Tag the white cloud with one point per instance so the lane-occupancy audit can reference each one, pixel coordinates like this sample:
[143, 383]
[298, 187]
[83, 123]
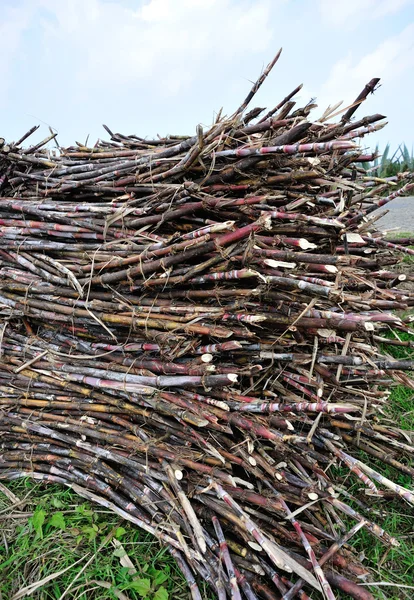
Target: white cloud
[162, 66]
[132, 64]
[14, 22]
[163, 43]
[389, 61]
[352, 12]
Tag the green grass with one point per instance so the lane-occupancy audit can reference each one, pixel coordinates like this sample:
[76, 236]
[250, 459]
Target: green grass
[401, 405]
[387, 565]
[400, 234]
[407, 259]
[395, 565]
[52, 528]
[390, 565]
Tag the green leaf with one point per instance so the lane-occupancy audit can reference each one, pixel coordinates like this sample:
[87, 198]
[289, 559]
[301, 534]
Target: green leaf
[37, 521]
[141, 586]
[83, 509]
[58, 521]
[161, 594]
[90, 531]
[124, 576]
[120, 531]
[56, 502]
[160, 577]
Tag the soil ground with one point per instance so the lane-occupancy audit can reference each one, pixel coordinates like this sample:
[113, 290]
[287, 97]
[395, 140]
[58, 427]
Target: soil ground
[401, 215]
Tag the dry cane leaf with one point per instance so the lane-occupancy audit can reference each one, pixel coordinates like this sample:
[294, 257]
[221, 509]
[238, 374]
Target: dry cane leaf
[12, 497]
[124, 559]
[109, 586]
[28, 590]
[289, 564]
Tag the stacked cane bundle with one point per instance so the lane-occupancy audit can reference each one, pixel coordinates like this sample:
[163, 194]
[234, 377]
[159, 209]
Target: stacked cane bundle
[190, 337]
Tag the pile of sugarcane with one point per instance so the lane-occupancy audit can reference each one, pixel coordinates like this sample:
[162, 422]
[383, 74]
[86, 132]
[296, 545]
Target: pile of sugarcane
[190, 336]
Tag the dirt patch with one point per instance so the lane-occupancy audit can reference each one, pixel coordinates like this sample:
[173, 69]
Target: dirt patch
[401, 215]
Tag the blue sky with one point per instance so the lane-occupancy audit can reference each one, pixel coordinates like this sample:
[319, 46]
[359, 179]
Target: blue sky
[162, 66]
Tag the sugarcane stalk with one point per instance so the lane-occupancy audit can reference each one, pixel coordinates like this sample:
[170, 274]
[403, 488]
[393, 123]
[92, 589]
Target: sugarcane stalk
[172, 338]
